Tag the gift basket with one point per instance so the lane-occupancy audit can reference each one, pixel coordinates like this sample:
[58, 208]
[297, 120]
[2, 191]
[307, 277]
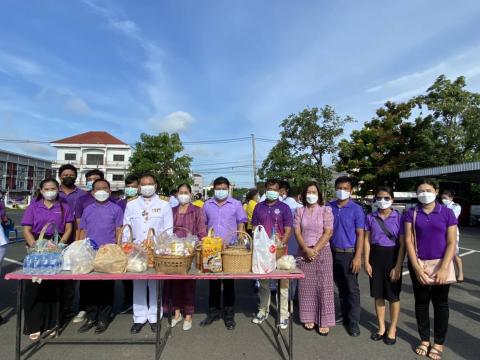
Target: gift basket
[110, 258]
[237, 257]
[174, 254]
[45, 258]
[137, 255]
[148, 245]
[211, 253]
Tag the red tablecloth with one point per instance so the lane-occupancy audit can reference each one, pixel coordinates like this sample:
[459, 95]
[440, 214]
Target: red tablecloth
[152, 275]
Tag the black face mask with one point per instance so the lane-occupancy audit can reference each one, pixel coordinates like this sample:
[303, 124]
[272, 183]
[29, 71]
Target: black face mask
[68, 181]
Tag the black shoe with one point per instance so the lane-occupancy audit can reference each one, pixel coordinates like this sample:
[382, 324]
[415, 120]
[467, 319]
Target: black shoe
[377, 337]
[136, 328]
[101, 327]
[126, 308]
[1, 320]
[229, 318]
[153, 327]
[213, 315]
[353, 329]
[87, 325]
[340, 320]
[389, 341]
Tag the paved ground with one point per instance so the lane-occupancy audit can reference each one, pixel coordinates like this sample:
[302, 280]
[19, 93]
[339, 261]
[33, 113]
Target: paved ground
[250, 341]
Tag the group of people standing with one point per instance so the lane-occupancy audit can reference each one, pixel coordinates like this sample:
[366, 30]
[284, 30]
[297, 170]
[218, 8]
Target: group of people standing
[331, 241]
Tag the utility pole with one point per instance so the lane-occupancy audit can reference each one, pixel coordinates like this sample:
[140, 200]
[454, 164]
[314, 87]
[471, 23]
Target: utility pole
[254, 162]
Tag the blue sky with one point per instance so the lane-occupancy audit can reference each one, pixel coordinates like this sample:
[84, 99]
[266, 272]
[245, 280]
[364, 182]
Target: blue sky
[218, 69]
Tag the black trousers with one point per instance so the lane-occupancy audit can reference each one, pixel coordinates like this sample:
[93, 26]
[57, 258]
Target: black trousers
[215, 293]
[438, 295]
[127, 292]
[67, 296]
[40, 306]
[347, 284]
[98, 296]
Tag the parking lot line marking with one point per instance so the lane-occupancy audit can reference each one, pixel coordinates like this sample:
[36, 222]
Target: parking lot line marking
[13, 261]
[469, 249]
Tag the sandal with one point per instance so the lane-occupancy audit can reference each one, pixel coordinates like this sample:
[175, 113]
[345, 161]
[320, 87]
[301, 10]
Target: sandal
[34, 336]
[435, 353]
[422, 349]
[309, 326]
[323, 333]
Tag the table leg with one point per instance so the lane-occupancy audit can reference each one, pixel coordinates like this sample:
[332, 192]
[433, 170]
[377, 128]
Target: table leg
[279, 305]
[290, 330]
[18, 339]
[159, 321]
[58, 309]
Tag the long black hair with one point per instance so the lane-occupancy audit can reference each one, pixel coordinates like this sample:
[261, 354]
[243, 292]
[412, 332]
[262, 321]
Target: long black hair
[42, 184]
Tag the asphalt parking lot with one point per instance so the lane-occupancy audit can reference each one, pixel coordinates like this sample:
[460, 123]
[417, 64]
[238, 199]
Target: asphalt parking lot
[249, 341]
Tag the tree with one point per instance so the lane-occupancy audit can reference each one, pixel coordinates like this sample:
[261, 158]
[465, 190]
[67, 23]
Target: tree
[313, 133]
[159, 155]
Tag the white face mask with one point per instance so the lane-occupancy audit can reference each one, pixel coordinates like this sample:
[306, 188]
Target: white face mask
[312, 199]
[50, 195]
[383, 204]
[184, 198]
[101, 195]
[147, 190]
[426, 197]
[342, 194]
[446, 202]
[221, 194]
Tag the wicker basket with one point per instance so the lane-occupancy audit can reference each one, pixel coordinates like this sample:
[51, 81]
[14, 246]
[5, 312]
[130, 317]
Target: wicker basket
[172, 264]
[238, 259]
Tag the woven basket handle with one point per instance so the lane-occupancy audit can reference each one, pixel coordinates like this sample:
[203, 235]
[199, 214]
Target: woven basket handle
[56, 236]
[238, 232]
[120, 235]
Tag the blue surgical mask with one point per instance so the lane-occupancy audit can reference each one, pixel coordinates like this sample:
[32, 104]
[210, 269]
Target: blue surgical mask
[131, 191]
[221, 194]
[89, 185]
[272, 195]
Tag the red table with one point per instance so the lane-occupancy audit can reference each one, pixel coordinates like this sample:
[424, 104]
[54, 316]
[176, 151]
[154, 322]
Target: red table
[149, 275]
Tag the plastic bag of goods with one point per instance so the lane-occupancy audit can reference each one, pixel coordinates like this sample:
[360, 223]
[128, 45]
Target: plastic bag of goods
[80, 256]
[264, 252]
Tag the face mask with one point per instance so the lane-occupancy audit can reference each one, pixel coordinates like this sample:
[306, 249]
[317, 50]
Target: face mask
[283, 197]
[221, 194]
[446, 202]
[312, 199]
[426, 197]
[147, 190]
[101, 195]
[272, 195]
[383, 204]
[68, 181]
[342, 194]
[89, 185]
[50, 195]
[131, 191]
[184, 198]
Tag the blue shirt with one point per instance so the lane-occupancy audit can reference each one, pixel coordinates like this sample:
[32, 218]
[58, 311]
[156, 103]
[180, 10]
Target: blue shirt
[346, 220]
[100, 222]
[224, 219]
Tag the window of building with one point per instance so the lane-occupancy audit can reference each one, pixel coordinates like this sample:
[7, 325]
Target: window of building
[118, 157]
[94, 159]
[118, 177]
[70, 156]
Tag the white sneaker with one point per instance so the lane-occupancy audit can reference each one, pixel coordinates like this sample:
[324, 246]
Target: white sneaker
[260, 318]
[176, 321]
[187, 325]
[80, 317]
[283, 324]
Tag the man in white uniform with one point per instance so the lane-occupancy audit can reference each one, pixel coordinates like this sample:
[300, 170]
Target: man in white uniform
[145, 212]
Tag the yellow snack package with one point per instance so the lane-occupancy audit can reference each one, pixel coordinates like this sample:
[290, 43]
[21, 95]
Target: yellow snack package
[212, 253]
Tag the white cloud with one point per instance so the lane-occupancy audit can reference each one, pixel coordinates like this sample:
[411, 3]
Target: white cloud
[178, 121]
[77, 105]
[16, 65]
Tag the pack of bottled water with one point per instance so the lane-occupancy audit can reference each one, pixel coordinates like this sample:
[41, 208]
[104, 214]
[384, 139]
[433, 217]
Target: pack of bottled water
[42, 263]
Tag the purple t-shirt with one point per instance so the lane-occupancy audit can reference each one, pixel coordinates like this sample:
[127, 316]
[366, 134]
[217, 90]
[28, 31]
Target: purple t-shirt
[100, 222]
[345, 222]
[72, 198]
[37, 215]
[277, 215]
[224, 219]
[394, 224]
[431, 230]
[84, 201]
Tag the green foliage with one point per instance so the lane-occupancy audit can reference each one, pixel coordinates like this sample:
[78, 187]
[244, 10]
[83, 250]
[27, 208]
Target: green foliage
[392, 141]
[159, 155]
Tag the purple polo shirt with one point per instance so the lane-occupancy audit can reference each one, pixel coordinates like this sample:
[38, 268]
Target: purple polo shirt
[431, 230]
[276, 215]
[3, 215]
[345, 222]
[72, 198]
[37, 215]
[84, 201]
[394, 224]
[100, 222]
[225, 218]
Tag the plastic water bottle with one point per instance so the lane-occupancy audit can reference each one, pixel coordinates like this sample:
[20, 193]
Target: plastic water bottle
[45, 263]
[27, 264]
[35, 264]
[59, 263]
[52, 264]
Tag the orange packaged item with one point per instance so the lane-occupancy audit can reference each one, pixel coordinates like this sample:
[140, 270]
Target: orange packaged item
[212, 253]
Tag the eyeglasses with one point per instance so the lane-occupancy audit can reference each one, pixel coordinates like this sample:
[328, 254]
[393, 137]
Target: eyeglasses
[386, 198]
